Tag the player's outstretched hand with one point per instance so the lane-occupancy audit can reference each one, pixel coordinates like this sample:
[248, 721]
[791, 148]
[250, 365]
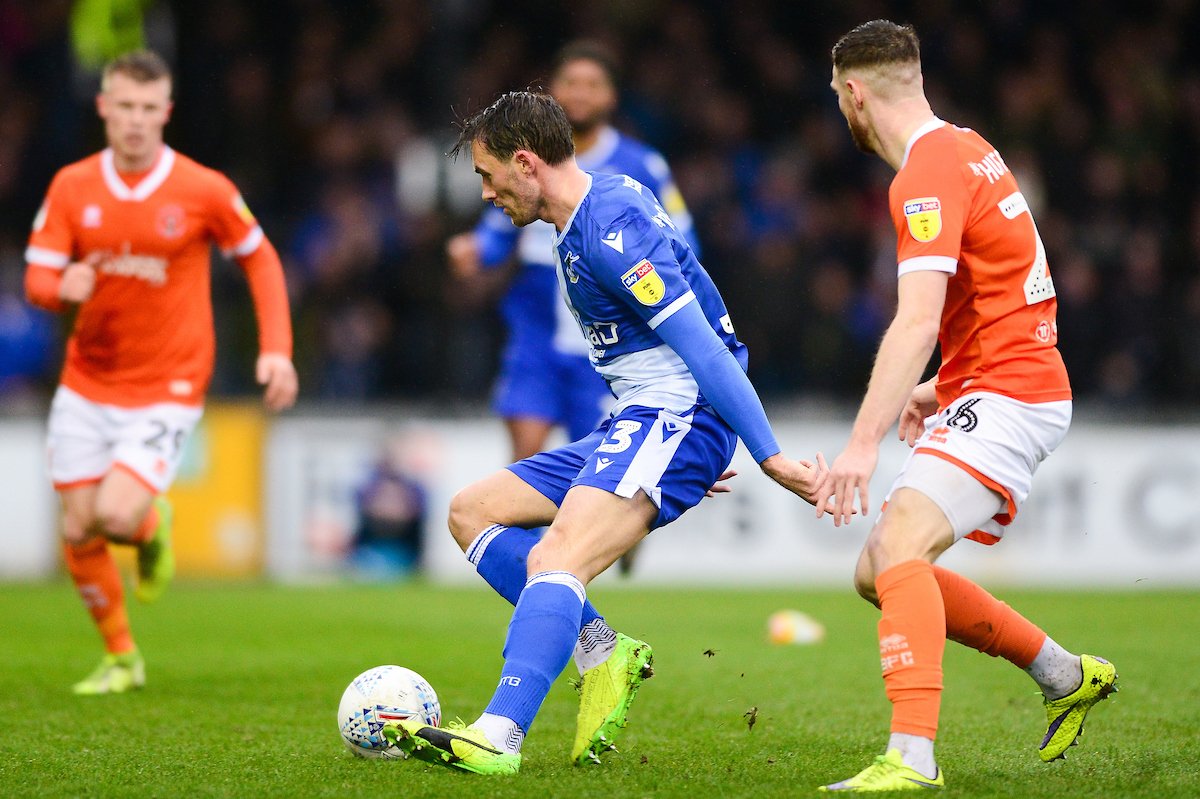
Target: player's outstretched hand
[922, 403]
[79, 279]
[719, 487]
[851, 474]
[802, 478]
[276, 372]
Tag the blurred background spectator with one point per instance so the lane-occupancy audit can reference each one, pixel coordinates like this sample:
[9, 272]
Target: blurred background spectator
[332, 117]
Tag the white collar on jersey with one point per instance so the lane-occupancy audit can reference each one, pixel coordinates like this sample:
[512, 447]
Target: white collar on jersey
[599, 153]
[571, 218]
[928, 127]
[148, 184]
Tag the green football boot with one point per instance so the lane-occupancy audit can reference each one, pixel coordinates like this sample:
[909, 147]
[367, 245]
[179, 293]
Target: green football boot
[887, 773]
[116, 674]
[605, 694]
[156, 557]
[455, 746]
[1064, 717]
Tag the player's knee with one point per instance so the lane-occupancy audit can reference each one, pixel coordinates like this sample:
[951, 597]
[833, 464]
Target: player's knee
[864, 580]
[465, 517]
[75, 531]
[550, 553]
[116, 522]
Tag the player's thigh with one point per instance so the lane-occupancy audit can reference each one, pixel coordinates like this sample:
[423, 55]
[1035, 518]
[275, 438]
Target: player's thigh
[150, 441]
[593, 528]
[78, 505]
[674, 459]
[984, 446]
[122, 500]
[500, 498]
[78, 442]
[911, 527]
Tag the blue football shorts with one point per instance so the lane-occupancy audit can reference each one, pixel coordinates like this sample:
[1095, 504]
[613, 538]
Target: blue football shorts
[545, 384]
[674, 458]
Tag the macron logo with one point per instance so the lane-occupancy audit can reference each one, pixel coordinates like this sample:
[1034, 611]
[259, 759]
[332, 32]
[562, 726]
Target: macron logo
[602, 464]
[614, 240]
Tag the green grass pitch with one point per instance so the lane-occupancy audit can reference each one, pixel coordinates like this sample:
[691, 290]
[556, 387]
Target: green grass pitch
[244, 682]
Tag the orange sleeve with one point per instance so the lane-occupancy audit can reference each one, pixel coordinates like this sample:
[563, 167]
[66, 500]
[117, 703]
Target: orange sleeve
[264, 272]
[929, 202]
[41, 287]
[51, 247]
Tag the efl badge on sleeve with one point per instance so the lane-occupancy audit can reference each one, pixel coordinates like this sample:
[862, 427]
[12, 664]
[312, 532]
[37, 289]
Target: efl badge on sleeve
[645, 284]
[924, 216]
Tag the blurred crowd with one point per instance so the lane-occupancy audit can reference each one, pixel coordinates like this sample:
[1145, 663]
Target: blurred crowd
[333, 117]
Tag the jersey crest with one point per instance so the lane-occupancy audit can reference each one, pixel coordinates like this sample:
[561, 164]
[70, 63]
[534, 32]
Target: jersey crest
[645, 284]
[924, 216]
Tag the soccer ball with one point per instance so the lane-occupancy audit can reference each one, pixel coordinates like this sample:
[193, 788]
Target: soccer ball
[380, 696]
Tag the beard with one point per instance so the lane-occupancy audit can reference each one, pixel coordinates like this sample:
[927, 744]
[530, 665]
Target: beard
[860, 135]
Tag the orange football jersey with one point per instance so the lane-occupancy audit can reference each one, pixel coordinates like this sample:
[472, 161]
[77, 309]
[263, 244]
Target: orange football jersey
[146, 333]
[957, 209]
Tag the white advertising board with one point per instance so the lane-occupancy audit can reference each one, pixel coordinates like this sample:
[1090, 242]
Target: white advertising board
[1114, 507]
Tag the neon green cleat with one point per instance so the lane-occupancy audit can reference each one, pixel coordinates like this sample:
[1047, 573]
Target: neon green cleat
[1064, 717]
[156, 557]
[455, 746]
[887, 773]
[606, 692]
[116, 674]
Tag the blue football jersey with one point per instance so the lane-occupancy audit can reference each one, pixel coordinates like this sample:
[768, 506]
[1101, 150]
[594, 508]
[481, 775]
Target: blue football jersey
[625, 268]
[531, 307]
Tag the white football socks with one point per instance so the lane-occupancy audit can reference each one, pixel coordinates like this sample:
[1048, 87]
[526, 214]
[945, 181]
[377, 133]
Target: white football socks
[596, 642]
[502, 732]
[1056, 671]
[917, 753]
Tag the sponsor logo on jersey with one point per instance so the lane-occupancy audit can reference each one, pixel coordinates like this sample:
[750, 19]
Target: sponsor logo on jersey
[645, 284]
[603, 463]
[630, 183]
[170, 221]
[924, 216]
[91, 216]
[143, 267]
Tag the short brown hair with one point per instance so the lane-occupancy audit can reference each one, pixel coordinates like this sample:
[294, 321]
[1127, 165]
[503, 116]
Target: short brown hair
[588, 50]
[520, 121]
[143, 66]
[876, 43]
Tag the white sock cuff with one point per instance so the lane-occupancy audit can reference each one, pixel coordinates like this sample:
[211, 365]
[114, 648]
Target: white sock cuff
[480, 544]
[561, 578]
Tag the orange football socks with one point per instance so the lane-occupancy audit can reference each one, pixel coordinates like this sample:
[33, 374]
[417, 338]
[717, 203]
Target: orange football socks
[912, 637]
[99, 583]
[977, 619]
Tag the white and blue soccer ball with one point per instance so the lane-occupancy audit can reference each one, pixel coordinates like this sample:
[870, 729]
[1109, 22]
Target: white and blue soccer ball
[382, 695]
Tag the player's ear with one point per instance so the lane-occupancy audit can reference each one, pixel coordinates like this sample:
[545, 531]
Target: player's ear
[525, 162]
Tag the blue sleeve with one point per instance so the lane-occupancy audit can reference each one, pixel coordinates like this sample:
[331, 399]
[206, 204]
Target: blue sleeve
[720, 378]
[496, 236]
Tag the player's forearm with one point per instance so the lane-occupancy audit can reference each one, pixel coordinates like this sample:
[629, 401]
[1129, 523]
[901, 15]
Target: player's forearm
[42, 286]
[901, 360]
[264, 273]
[721, 379]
